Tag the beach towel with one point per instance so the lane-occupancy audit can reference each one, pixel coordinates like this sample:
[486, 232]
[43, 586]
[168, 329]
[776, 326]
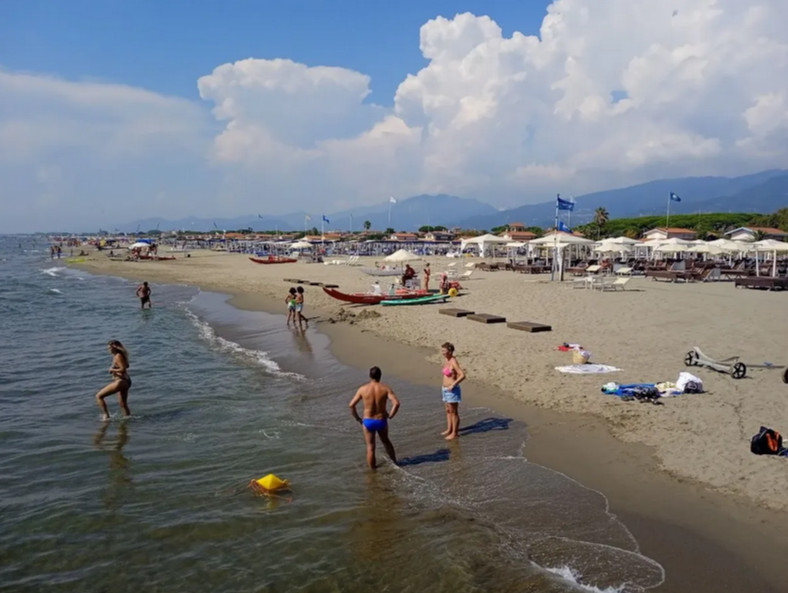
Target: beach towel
[587, 369]
[565, 347]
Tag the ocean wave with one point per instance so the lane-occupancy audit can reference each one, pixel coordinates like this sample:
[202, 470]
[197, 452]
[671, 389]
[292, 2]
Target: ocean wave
[55, 291]
[54, 272]
[257, 357]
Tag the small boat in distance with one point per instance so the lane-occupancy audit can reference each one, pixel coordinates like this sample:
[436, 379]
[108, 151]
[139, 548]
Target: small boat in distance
[274, 259]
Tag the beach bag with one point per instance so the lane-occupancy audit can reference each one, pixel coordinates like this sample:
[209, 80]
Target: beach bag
[689, 383]
[766, 442]
[580, 356]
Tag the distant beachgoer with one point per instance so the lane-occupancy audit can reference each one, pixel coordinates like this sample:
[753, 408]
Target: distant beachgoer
[122, 382]
[143, 292]
[426, 273]
[453, 375]
[375, 396]
[290, 299]
[408, 275]
[444, 284]
[299, 306]
[59, 251]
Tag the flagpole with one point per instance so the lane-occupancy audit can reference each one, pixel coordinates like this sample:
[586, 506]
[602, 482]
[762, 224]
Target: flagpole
[555, 239]
[389, 214]
[667, 218]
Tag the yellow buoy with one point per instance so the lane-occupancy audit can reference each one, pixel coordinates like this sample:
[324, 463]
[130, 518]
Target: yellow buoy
[271, 483]
[453, 292]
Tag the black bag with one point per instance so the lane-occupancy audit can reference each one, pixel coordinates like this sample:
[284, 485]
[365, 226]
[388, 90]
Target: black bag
[766, 442]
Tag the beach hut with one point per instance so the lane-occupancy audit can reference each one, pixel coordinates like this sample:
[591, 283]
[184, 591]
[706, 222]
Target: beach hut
[770, 245]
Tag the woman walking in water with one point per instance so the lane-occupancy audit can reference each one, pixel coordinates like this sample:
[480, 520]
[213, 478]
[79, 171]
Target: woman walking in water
[453, 375]
[122, 382]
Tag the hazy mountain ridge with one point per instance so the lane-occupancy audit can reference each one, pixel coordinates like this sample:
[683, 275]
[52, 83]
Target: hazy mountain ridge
[762, 192]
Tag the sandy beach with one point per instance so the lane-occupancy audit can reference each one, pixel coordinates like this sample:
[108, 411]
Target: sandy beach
[709, 481]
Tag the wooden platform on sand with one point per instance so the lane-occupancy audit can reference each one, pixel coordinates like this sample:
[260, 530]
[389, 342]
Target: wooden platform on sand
[486, 318]
[529, 326]
[454, 312]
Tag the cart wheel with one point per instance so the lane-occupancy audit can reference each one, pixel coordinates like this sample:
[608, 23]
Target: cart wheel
[739, 370]
[785, 376]
[691, 359]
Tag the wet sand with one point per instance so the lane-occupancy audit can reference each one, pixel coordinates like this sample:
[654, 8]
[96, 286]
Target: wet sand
[679, 475]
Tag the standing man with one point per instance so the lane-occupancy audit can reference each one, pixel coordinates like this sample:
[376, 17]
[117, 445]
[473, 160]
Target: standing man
[375, 396]
[143, 292]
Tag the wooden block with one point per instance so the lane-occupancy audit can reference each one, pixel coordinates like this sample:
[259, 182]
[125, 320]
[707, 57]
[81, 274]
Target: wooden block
[454, 312]
[331, 285]
[486, 318]
[315, 284]
[290, 280]
[529, 326]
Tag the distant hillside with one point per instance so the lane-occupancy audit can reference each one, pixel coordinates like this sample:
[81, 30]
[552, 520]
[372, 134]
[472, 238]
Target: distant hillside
[761, 192]
[407, 214]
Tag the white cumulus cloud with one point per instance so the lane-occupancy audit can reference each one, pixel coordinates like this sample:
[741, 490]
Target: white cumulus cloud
[608, 92]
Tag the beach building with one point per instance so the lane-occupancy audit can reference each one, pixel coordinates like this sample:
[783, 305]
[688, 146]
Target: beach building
[750, 233]
[660, 234]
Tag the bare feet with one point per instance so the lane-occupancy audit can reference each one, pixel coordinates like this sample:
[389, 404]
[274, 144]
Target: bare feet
[451, 437]
[445, 432]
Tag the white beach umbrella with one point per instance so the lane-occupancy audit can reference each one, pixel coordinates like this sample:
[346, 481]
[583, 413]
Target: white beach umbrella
[139, 245]
[620, 241]
[401, 255]
[775, 247]
[672, 248]
[301, 245]
[562, 239]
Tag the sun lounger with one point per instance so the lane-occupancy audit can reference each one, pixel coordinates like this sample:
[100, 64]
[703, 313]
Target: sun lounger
[486, 318]
[614, 285]
[529, 326]
[764, 282]
[624, 271]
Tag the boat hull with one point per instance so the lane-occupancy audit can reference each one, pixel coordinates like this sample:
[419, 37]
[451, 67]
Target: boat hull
[433, 298]
[365, 298]
[273, 260]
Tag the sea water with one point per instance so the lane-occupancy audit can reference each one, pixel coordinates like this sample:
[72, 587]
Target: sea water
[158, 501]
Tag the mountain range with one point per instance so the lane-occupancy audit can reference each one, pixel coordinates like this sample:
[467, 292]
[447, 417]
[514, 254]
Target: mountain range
[763, 192]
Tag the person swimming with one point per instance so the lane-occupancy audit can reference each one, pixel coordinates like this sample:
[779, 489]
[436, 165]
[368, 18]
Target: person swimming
[375, 396]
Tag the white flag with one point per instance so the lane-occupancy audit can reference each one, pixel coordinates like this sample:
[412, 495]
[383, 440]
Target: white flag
[392, 199]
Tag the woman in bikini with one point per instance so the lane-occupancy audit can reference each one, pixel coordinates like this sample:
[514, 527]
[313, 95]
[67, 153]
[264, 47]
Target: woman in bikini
[122, 383]
[453, 375]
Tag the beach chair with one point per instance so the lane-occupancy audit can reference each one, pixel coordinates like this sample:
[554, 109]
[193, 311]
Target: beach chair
[593, 269]
[465, 275]
[600, 282]
[624, 271]
[620, 282]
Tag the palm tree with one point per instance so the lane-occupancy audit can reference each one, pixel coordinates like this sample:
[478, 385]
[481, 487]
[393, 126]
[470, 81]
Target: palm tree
[601, 216]
[367, 225]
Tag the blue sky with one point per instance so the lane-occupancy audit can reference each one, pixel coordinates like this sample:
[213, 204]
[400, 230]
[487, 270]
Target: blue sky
[112, 111]
[167, 45]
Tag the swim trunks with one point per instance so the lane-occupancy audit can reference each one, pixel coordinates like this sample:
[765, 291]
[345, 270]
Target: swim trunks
[374, 424]
[144, 299]
[299, 307]
[451, 396]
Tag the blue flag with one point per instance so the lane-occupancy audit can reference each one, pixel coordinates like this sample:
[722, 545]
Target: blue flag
[675, 197]
[326, 219]
[562, 227]
[564, 204]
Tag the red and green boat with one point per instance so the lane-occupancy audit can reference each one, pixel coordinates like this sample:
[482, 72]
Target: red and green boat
[371, 298]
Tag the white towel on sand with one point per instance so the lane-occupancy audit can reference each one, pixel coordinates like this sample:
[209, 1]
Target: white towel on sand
[587, 369]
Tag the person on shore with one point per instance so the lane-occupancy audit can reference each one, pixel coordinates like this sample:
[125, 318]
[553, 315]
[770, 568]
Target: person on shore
[144, 292]
[426, 273]
[451, 393]
[408, 275]
[375, 396]
[444, 285]
[299, 304]
[290, 299]
[121, 383]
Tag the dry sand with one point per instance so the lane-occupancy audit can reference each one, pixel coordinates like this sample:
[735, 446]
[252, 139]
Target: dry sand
[711, 483]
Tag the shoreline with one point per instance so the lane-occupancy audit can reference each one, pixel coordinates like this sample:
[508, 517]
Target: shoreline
[704, 539]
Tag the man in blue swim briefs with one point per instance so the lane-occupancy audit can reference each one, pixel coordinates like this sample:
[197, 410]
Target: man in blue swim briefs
[375, 396]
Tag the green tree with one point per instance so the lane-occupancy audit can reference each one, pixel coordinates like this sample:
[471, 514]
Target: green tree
[367, 225]
[426, 229]
[390, 231]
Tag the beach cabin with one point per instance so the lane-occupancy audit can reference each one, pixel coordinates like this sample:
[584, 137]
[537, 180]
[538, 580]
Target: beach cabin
[751, 233]
[660, 234]
[519, 236]
[439, 236]
[405, 237]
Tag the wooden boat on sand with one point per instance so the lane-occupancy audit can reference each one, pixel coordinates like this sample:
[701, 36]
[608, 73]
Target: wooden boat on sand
[274, 259]
[371, 298]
